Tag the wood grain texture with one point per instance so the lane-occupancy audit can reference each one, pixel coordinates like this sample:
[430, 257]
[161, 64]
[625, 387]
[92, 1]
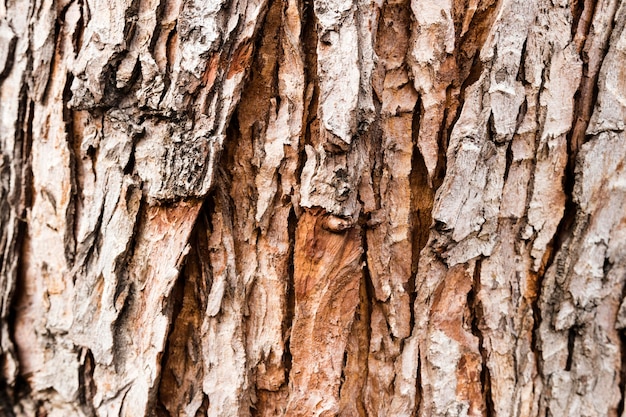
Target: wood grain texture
[327, 278]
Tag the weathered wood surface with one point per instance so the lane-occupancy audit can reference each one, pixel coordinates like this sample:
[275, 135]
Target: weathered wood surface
[312, 208]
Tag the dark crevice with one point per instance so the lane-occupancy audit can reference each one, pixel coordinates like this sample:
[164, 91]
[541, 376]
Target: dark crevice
[9, 395]
[492, 132]
[585, 99]
[418, 383]
[509, 161]
[534, 338]
[121, 340]
[22, 390]
[130, 165]
[577, 7]
[159, 12]
[571, 341]
[71, 214]
[521, 70]
[422, 200]
[188, 295]
[309, 48]
[476, 313]
[89, 246]
[22, 204]
[369, 287]
[587, 94]
[229, 51]
[444, 133]
[290, 296]
[469, 64]
[376, 154]
[204, 407]
[132, 84]
[26, 138]
[363, 312]
[418, 111]
[523, 109]
[110, 93]
[77, 35]
[485, 378]
[125, 288]
[582, 18]
[131, 14]
[475, 72]
[6, 403]
[54, 60]
[87, 388]
[176, 304]
[9, 58]
[123, 259]
[300, 162]
[622, 371]
[160, 411]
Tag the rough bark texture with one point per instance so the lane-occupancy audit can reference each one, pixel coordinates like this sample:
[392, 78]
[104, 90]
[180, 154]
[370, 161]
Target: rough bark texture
[312, 208]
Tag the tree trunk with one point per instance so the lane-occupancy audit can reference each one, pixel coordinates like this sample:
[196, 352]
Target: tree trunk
[312, 208]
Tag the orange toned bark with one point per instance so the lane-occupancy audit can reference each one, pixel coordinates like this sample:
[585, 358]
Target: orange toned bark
[327, 277]
[450, 321]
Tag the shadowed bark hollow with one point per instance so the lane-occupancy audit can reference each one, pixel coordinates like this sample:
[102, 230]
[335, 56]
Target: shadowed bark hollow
[312, 208]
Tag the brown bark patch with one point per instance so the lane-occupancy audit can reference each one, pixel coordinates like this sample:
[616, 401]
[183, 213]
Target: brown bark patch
[451, 315]
[327, 277]
[240, 60]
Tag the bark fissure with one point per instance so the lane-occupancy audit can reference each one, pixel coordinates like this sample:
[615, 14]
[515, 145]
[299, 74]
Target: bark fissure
[622, 375]
[475, 318]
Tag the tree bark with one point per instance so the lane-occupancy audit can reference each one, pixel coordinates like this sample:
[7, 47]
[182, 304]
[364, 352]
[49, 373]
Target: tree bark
[312, 208]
